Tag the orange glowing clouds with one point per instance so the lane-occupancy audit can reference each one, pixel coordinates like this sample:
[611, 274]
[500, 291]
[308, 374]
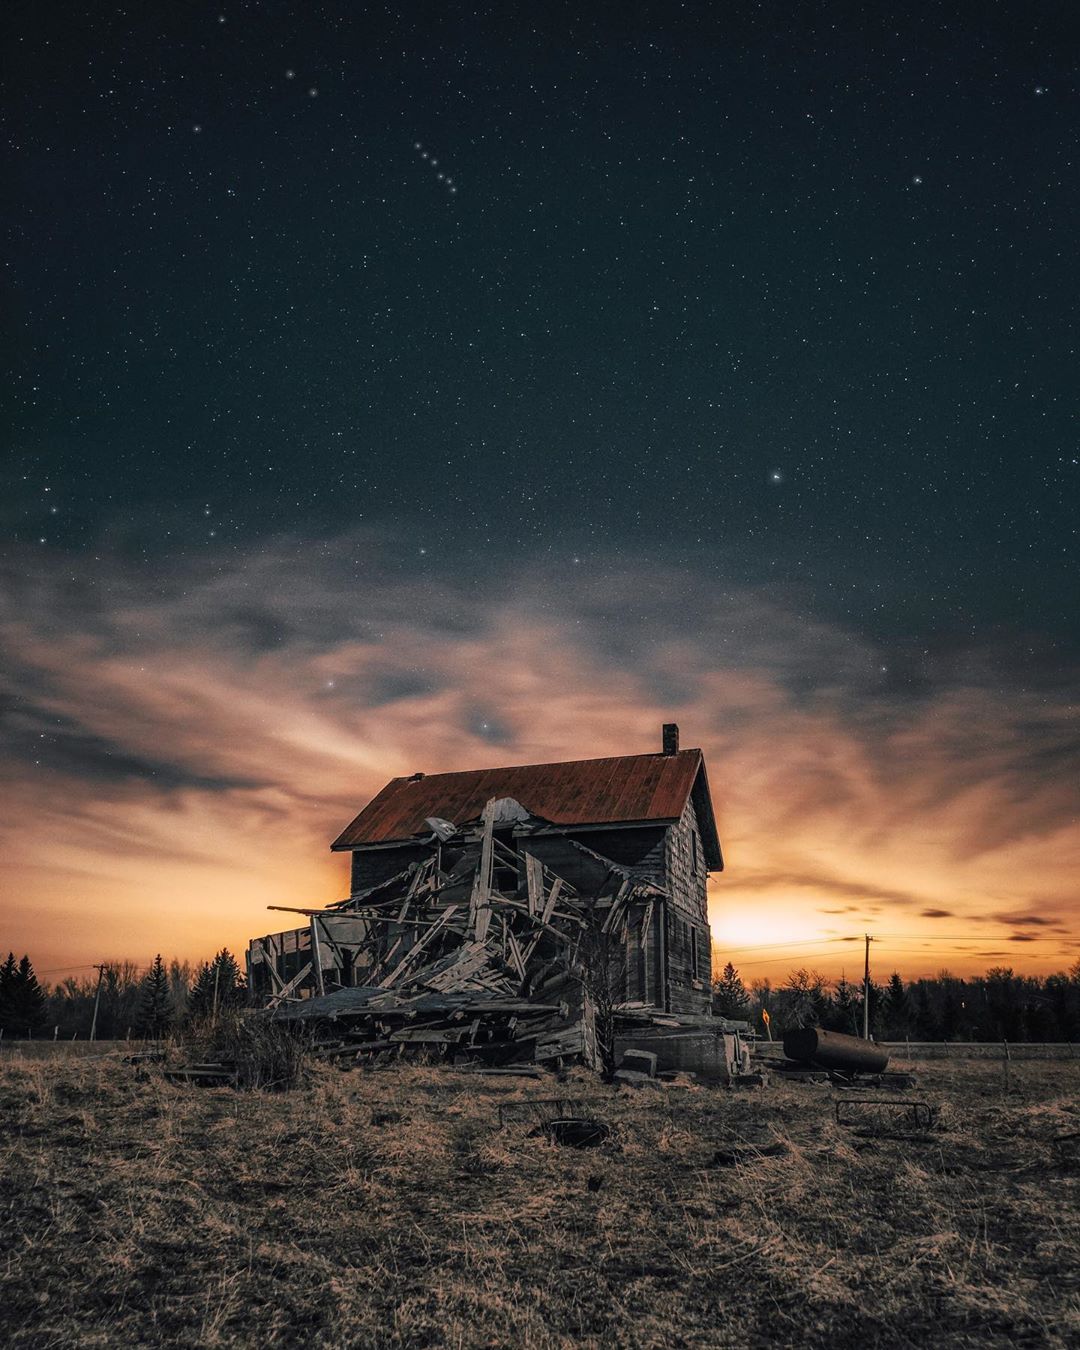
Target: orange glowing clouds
[180, 754]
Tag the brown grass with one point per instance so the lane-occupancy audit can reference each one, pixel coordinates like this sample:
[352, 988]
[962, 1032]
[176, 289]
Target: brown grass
[133, 1212]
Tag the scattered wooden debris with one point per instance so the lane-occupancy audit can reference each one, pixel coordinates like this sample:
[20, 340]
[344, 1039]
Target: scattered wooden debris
[204, 1075]
[478, 955]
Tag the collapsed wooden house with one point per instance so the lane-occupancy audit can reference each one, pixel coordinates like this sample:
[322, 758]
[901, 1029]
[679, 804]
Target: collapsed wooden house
[494, 914]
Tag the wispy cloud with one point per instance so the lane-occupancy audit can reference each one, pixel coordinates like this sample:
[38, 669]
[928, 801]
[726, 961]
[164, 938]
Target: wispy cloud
[180, 748]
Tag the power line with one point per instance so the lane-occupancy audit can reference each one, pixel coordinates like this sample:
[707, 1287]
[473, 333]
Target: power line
[771, 960]
[57, 970]
[765, 946]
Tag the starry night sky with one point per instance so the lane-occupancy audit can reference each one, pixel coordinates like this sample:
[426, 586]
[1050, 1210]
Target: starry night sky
[366, 360]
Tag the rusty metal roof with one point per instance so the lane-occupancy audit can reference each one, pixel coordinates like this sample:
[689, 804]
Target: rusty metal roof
[622, 790]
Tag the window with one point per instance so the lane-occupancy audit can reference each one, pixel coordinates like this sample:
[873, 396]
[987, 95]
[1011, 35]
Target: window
[694, 849]
[694, 972]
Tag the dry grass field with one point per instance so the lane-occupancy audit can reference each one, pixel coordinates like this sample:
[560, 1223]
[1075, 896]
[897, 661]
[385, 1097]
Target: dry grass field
[388, 1208]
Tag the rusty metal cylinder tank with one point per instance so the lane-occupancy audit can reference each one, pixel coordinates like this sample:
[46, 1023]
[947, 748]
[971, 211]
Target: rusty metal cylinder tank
[833, 1050]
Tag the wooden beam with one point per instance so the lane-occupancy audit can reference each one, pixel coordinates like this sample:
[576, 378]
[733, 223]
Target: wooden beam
[316, 957]
[418, 947]
[268, 962]
[534, 880]
[479, 899]
[287, 989]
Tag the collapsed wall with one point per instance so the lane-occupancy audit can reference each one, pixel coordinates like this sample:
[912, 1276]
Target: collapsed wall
[477, 951]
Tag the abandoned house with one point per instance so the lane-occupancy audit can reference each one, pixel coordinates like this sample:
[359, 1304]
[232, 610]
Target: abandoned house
[476, 898]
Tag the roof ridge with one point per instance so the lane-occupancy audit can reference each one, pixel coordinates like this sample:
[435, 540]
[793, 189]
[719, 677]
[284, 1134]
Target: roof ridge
[543, 764]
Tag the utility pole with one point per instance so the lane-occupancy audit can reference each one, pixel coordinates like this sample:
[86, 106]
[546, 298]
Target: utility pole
[866, 992]
[97, 1000]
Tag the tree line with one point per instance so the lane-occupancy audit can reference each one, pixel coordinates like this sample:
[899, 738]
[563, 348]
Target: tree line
[150, 1002]
[997, 1006]
[119, 1000]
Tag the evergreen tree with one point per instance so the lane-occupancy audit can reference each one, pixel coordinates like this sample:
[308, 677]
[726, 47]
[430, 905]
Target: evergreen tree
[23, 998]
[843, 1012]
[218, 985]
[8, 974]
[155, 1003]
[231, 991]
[730, 998]
[897, 1010]
[201, 998]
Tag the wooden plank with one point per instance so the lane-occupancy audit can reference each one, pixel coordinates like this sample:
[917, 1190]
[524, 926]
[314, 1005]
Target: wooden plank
[473, 957]
[316, 957]
[418, 947]
[534, 881]
[270, 964]
[376, 973]
[287, 989]
[515, 953]
[549, 907]
[480, 898]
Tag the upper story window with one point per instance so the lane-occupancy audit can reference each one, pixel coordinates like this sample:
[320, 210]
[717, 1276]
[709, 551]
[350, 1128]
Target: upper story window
[694, 851]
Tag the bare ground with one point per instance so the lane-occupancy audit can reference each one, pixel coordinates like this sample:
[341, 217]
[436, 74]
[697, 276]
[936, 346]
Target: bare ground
[388, 1208]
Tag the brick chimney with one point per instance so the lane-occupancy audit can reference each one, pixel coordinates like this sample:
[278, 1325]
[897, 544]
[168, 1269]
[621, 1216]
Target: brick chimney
[671, 738]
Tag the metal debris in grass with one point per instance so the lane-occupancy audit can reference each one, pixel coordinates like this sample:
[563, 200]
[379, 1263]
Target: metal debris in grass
[577, 1132]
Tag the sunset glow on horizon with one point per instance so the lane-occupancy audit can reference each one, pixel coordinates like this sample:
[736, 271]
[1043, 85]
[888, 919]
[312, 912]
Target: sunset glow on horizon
[205, 783]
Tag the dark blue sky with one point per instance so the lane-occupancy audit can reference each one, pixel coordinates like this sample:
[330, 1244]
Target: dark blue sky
[785, 298]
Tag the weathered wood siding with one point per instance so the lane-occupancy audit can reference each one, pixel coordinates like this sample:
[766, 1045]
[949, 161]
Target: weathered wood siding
[638, 848]
[687, 923]
[370, 866]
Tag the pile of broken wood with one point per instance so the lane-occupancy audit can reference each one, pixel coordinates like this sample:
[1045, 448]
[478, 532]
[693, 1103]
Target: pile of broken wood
[479, 953]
